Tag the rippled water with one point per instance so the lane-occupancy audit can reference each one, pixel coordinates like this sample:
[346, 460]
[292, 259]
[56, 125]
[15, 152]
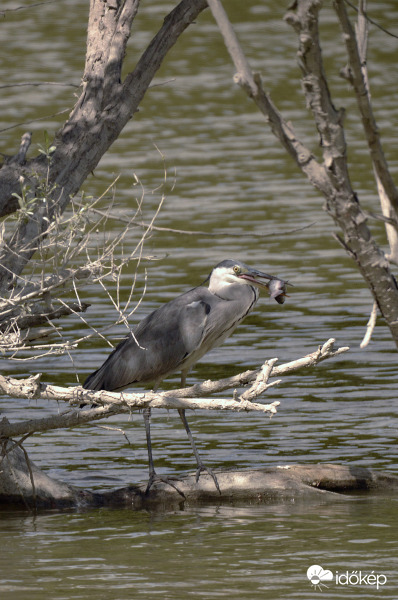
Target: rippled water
[260, 552]
[228, 177]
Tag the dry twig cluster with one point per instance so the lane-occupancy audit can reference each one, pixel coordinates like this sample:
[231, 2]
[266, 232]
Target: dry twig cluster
[76, 249]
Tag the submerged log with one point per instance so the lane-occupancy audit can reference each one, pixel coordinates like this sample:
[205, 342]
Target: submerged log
[24, 485]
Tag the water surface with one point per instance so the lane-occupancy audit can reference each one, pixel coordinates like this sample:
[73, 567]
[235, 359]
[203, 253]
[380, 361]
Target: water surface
[229, 178]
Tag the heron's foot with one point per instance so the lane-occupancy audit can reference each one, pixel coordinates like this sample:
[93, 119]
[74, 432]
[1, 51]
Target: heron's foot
[154, 477]
[201, 468]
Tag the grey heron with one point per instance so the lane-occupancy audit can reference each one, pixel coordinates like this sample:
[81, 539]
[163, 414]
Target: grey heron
[177, 334]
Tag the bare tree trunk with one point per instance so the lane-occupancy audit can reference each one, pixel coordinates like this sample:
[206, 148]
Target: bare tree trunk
[331, 177]
[341, 201]
[105, 106]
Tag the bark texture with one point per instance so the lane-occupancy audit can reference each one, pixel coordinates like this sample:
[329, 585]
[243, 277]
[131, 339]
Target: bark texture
[191, 398]
[331, 176]
[104, 107]
[23, 485]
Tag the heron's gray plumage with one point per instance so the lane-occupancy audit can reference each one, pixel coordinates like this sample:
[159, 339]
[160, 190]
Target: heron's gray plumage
[176, 335]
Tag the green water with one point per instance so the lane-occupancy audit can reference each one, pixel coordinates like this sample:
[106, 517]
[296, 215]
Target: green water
[227, 177]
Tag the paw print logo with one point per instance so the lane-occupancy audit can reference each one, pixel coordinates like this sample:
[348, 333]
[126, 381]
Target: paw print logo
[317, 575]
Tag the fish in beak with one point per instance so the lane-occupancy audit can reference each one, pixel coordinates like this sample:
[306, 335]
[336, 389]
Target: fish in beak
[275, 287]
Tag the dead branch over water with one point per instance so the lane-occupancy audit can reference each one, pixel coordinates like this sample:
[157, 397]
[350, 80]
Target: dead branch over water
[192, 398]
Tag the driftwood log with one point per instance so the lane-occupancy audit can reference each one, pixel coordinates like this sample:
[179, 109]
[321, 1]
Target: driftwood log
[24, 485]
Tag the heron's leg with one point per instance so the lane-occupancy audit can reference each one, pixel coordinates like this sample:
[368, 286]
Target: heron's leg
[153, 476]
[201, 466]
[147, 420]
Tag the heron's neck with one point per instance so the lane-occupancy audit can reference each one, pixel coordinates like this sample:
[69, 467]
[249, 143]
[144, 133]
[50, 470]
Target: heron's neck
[234, 291]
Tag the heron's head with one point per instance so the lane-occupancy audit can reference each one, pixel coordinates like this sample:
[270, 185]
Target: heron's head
[234, 272]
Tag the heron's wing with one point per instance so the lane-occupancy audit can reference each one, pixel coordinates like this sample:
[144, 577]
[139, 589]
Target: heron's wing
[215, 319]
[192, 324]
[172, 338]
[113, 374]
[158, 347]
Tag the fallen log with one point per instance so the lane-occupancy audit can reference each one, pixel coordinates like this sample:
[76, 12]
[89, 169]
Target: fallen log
[24, 485]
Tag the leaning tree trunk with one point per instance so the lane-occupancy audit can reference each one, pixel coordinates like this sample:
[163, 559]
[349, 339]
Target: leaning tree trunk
[105, 105]
[341, 201]
[331, 177]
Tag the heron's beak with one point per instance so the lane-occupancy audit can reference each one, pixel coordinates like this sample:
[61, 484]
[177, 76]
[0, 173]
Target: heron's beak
[255, 277]
[275, 287]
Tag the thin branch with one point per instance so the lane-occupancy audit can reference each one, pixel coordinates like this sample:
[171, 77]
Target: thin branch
[175, 23]
[217, 234]
[370, 20]
[39, 83]
[30, 6]
[60, 112]
[233, 46]
[370, 326]
[253, 86]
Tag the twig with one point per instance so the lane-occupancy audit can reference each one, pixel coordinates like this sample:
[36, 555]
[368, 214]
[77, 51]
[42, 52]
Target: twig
[370, 20]
[39, 83]
[60, 112]
[219, 233]
[30, 6]
[119, 429]
[29, 466]
[370, 327]
[232, 44]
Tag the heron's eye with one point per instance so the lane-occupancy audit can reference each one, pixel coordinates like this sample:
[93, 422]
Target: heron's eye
[236, 269]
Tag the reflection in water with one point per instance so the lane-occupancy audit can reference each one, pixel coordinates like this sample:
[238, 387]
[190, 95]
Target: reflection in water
[227, 177]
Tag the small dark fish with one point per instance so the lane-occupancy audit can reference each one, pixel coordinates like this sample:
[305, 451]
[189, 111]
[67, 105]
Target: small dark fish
[277, 290]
